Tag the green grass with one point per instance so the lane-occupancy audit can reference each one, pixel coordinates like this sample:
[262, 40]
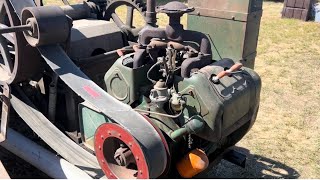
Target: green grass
[287, 128]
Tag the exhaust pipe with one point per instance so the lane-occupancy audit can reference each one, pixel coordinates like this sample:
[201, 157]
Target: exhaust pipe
[42, 159]
[151, 14]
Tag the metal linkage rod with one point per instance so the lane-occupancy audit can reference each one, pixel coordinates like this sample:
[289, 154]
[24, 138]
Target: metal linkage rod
[21, 28]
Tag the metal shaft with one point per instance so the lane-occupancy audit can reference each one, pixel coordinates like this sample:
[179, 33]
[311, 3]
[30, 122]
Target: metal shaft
[41, 158]
[21, 28]
[151, 15]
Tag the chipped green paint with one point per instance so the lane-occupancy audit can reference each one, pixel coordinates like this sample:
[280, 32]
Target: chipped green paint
[232, 25]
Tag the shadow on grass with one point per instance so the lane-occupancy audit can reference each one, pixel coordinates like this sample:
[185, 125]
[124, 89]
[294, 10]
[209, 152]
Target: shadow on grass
[257, 167]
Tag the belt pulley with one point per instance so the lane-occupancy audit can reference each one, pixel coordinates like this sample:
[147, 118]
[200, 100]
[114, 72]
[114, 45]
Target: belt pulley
[40, 26]
[18, 60]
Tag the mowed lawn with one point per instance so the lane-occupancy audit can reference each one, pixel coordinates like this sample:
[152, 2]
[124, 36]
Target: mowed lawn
[285, 141]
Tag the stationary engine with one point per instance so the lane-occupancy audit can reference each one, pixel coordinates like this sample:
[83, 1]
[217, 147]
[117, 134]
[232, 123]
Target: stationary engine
[171, 78]
[129, 102]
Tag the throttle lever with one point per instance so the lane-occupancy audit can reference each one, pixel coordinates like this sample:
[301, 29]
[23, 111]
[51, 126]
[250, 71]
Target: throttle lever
[228, 72]
[126, 50]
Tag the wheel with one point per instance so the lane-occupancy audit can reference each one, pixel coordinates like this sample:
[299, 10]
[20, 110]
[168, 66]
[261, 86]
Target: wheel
[122, 156]
[119, 154]
[18, 60]
[127, 27]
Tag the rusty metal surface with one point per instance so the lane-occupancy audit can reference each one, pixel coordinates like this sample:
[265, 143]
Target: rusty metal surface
[108, 138]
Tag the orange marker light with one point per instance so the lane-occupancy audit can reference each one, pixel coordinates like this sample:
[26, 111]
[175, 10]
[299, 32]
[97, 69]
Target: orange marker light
[193, 163]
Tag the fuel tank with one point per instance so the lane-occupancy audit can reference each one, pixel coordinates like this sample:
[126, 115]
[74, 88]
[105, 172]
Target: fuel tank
[225, 105]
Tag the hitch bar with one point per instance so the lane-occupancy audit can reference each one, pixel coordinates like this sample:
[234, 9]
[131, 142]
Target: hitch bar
[5, 98]
[236, 158]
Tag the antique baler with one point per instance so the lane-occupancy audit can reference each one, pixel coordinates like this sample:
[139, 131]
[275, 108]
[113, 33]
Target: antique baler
[120, 101]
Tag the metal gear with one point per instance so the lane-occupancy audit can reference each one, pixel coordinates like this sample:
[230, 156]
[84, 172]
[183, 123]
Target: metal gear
[127, 27]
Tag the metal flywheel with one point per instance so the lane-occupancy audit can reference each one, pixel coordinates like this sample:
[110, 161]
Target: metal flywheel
[18, 60]
[127, 26]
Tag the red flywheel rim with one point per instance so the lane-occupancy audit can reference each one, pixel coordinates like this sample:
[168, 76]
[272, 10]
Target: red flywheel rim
[109, 130]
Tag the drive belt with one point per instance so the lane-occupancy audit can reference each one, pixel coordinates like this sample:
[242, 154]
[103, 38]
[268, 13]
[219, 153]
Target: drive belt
[50, 35]
[137, 125]
[58, 141]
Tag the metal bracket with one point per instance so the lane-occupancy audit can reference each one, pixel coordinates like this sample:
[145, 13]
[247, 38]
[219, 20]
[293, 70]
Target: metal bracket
[5, 98]
[236, 158]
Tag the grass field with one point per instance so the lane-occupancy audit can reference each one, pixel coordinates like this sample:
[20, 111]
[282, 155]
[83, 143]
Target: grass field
[288, 125]
[285, 141]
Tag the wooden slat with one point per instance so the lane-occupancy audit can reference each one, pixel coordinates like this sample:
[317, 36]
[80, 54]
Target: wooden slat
[302, 4]
[299, 3]
[3, 172]
[296, 13]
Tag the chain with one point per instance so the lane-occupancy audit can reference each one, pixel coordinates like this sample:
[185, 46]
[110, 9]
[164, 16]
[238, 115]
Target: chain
[190, 141]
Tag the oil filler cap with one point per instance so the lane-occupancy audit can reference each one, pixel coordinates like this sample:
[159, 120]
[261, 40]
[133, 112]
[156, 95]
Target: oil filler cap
[175, 7]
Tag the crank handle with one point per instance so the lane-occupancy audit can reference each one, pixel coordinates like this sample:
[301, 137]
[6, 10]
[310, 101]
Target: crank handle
[235, 67]
[228, 72]
[124, 51]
